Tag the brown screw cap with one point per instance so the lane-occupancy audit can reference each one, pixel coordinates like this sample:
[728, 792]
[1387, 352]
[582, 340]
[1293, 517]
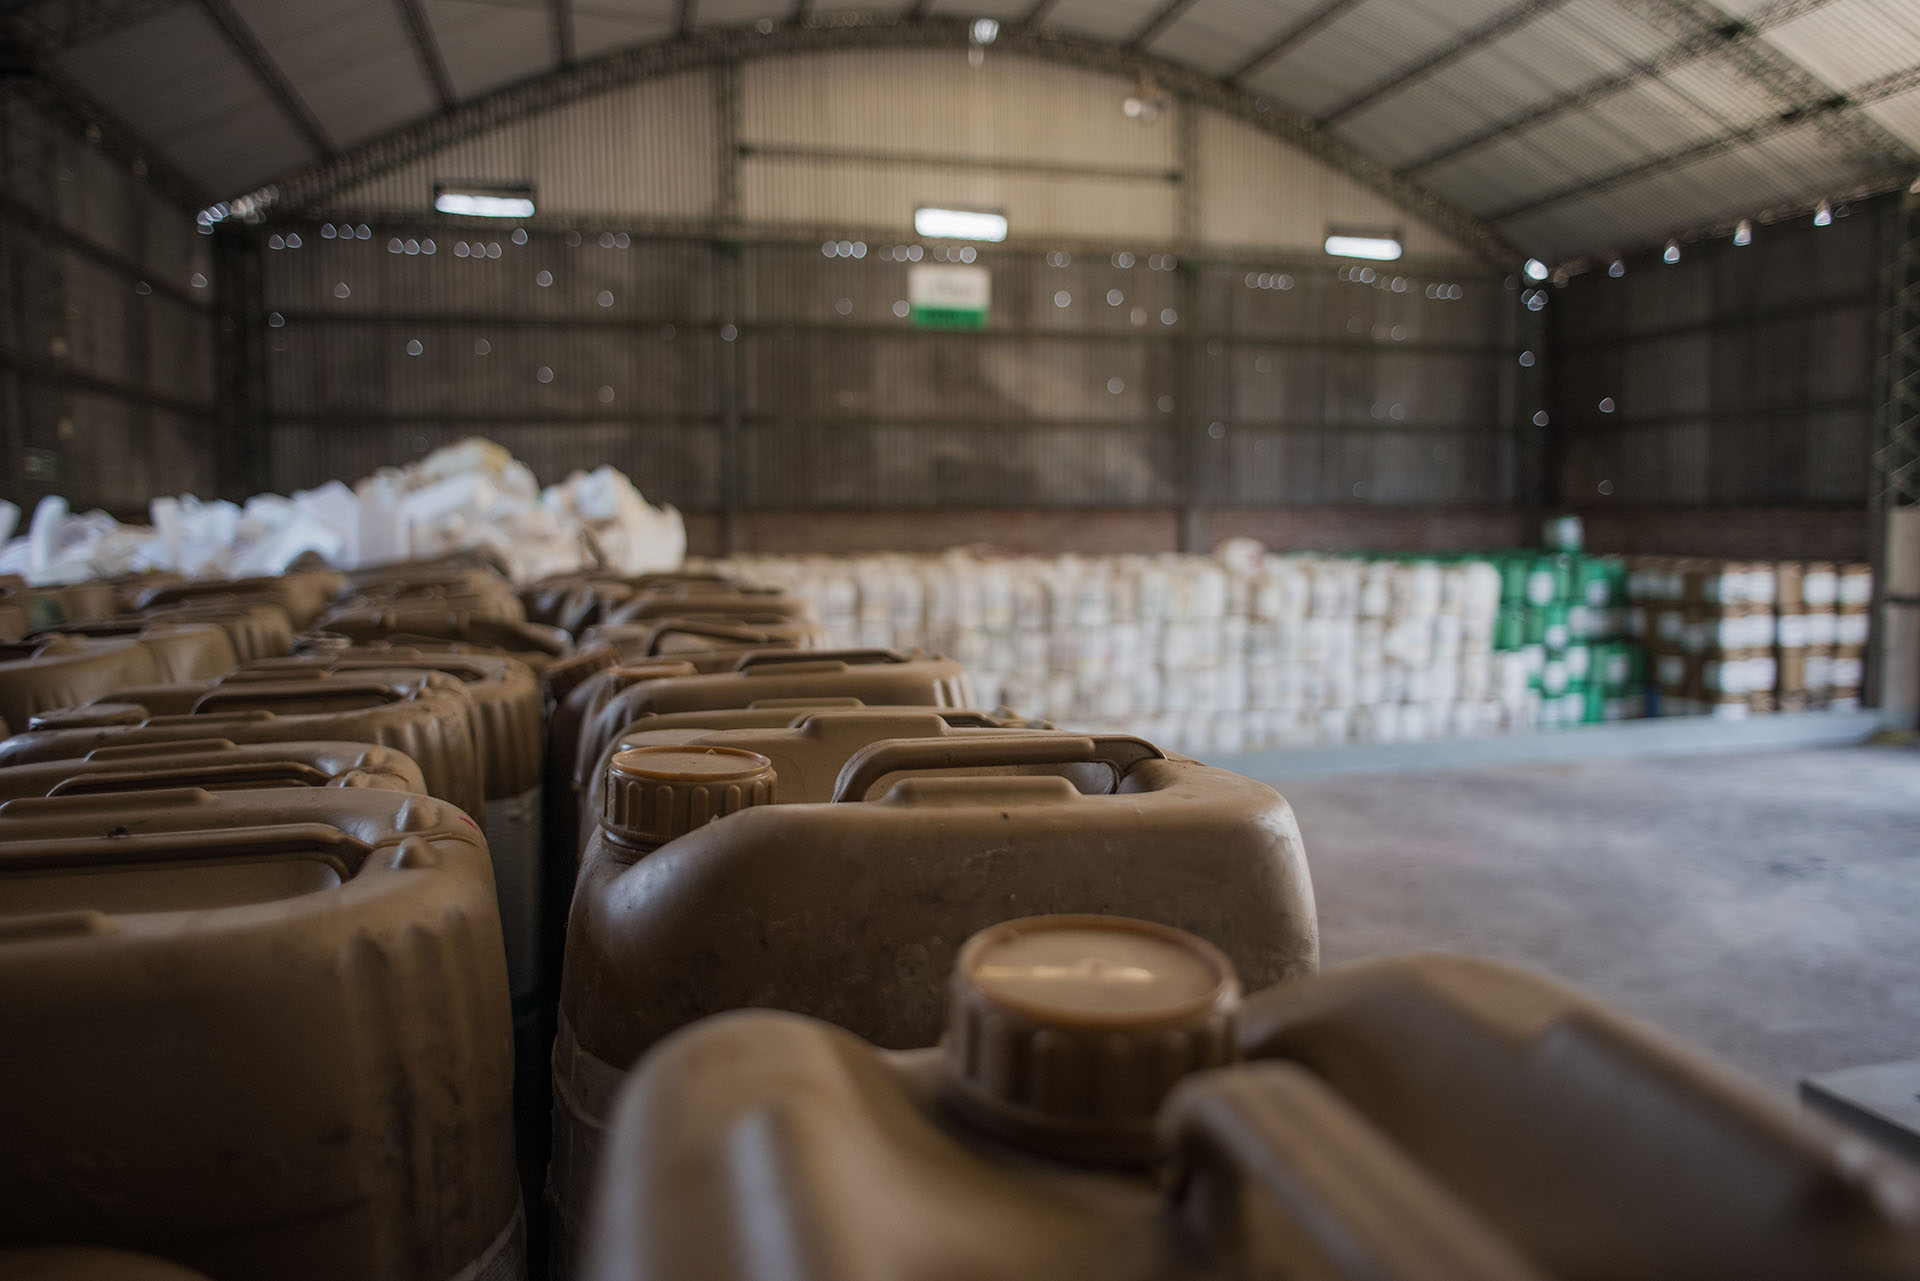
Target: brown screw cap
[657, 793]
[1065, 1033]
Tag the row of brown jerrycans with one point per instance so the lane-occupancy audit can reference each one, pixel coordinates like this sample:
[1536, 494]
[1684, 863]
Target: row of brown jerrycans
[284, 1013]
[357, 961]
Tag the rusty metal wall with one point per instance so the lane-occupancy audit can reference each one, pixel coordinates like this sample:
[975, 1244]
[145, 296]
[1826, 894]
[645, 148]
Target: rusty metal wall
[778, 376]
[106, 336]
[1737, 376]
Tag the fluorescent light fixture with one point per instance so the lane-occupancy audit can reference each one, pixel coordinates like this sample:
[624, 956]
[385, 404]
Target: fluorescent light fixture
[1536, 270]
[1743, 232]
[960, 224]
[1380, 246]
[477, 201]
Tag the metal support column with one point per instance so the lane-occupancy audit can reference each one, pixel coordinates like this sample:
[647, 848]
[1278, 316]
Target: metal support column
[1537, 447]
[1894, 672]
[1190, 379]
[730, 291]
[240, 367]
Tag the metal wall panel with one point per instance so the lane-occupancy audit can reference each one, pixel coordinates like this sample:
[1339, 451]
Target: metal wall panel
[107, 335]
[648, 150]
[1739, 375]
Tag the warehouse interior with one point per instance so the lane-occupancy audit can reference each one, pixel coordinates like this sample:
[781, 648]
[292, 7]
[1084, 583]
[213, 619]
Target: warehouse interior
[1492, 424]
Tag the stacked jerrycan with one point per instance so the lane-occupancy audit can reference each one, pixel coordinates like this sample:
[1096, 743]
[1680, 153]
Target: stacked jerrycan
[832, 867]
[1104, 1103]
[262, 1032]
[251, 951]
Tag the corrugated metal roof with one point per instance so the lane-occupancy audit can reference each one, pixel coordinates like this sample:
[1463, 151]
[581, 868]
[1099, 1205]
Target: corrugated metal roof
[1574, 125]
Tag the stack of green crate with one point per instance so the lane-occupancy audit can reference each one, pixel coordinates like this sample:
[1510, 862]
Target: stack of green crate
[1566, 611]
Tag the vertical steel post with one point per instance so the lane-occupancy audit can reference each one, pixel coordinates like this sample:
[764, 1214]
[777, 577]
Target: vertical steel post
[730, 292]
[240, 368]
[1190, 381]
[1894, 486]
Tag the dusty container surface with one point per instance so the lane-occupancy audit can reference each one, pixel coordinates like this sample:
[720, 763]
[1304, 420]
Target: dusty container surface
[182, 651]
[463, 631]
[852, 910]
[710, 645]
[428, 716]
[461, 572]
[304, 594]
[13, 621]
[1437, 1117]
[269, 1033]
[258, 629]
[809, 750]
[216, 764]
[50, 606]
[60, 671]
[507, 707]
[85, 1263]
[1665, 1164]
[573, 602]
[1027, 1146]
[875, 677]
[699, 601]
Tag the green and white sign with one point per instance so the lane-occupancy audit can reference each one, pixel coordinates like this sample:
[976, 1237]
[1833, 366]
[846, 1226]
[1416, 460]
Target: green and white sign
[944, 296]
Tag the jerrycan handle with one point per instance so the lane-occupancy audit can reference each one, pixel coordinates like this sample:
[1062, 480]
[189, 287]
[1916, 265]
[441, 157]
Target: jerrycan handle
[294, 693]
[1119, 752]
[236, 774]
[167, 747]
[845, 657]
[707, 631]
[820, 704]
[329, 845]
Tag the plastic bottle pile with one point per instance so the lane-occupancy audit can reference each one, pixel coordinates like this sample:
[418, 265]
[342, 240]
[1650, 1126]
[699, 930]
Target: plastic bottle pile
[1206, 654]
[472, 496]
[404, 926]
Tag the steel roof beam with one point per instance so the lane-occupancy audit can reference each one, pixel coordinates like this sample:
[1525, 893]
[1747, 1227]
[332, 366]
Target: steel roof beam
[1786, 81]
[426, 49]
[308, 186]
[1161, 19]
[1746, 135]
[562, 31]
[684, 23]
[54, 26]
[1469, 41]
[1292, 36]
[268, 73]
[1033, 15]
[1691, 49]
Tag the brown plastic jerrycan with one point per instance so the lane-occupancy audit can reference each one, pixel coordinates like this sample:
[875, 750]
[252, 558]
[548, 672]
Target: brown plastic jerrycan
[874, 676]
[303, 594]
[60, 671]
[710, 645]
[269, 1033]
[216, 764]
[809, 750]
[567, 727]
[258, 629]
[451, 629]
[699, 895]
[182, 651]
[50, 606]
[1600, 1147]
[697, 601]
[85, 1263]
[573, 602]
[1087, 1114]
[428, 716]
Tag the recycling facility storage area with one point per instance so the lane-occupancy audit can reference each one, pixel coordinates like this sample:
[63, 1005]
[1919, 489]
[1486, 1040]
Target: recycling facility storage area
[1166, 637]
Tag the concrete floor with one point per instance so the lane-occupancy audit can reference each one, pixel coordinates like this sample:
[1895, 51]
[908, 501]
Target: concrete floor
[1765, 906]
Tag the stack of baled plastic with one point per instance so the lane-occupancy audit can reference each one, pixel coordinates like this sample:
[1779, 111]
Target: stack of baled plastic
[1204, 654]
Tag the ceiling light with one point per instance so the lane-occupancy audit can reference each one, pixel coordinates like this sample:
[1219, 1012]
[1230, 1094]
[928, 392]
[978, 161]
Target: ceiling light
[1671, 254]
[1823, 214]
[1617, 268]
[960, 224]
[1536, 270]
[1743, 232]
[492, 201]
[985, 31]
[1380, 246]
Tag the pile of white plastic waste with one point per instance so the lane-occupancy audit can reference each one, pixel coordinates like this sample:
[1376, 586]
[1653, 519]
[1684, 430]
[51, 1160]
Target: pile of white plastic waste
[470, 495]
[1203, 654]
